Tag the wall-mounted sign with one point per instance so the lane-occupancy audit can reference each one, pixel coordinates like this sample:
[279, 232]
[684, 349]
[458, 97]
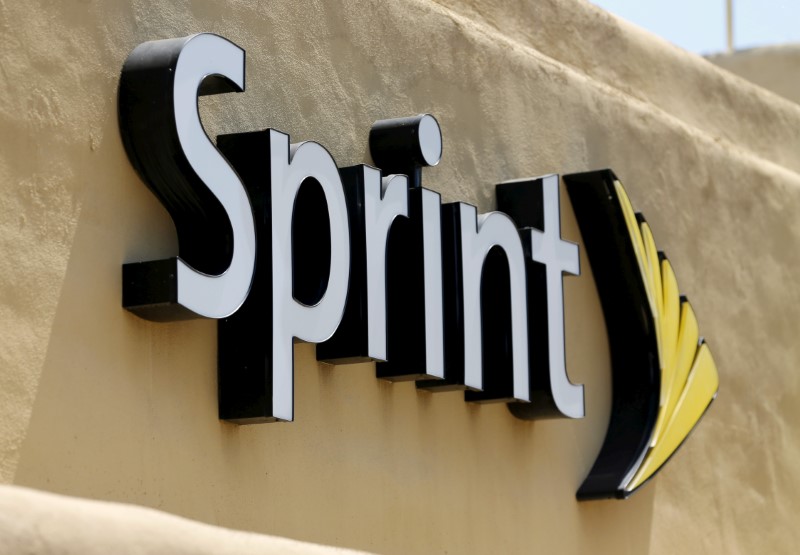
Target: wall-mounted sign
[664, 377]
[279, 244]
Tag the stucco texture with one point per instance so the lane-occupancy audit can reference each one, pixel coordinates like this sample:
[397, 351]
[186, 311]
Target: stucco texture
[97, 403]
[776, 68]
[57, 525]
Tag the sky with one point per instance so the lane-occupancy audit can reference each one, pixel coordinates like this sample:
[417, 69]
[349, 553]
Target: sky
[700, 26]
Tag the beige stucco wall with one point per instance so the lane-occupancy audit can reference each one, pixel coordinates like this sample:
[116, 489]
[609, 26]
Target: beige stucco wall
[97, 403]
[49, 524]
[776, 68]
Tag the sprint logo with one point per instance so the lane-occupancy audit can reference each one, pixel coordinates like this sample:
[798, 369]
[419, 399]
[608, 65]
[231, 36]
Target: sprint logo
[664, 377]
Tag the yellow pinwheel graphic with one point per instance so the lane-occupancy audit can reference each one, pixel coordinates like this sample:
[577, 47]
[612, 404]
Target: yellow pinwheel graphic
[663, 385]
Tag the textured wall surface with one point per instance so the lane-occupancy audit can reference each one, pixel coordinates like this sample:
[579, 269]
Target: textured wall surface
[97, 403]
[776, 68]
[49, 524]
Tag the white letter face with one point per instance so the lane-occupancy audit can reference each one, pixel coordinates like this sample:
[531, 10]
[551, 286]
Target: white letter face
[434, 298]
[478, 236]
[292, 318]
[394, 306]
[559, 257]
[384, 200]
[163, 139]
[213, 296]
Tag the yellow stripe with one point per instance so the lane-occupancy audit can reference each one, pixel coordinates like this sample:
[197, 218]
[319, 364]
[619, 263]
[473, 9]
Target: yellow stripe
[633, 226]
[669, 330]
[670, 319]
[638, 243]
[701, 388]
[654, 267]
[655, 292]
[688, 337]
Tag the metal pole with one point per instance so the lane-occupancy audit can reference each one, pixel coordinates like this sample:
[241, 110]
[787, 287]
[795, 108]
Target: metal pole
[729, 15]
